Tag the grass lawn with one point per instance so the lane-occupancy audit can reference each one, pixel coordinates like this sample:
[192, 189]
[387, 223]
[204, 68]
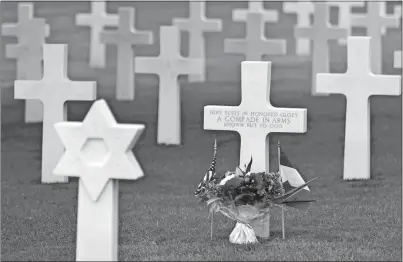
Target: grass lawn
[159, 217]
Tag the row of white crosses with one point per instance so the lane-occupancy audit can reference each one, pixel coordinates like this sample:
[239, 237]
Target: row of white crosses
[168, 65]
[375, 21]
[98, 151]
[32, 32]
[255, 117]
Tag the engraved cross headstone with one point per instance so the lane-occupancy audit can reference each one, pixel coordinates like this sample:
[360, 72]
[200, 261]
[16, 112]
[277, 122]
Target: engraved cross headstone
[303, 10]
[168, 66]
[98, 151]
[97, 20]
[31, 33]
[255, 44]
[373, 21]
[196, 25]
[357, 85]
[125, 38]
[255, 117]
[320, 33]
[53, 90]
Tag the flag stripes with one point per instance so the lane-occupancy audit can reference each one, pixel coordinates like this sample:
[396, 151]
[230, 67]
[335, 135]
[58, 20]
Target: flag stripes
[210, 172]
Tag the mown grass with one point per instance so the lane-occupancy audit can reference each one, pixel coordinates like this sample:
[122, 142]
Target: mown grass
[159, 217]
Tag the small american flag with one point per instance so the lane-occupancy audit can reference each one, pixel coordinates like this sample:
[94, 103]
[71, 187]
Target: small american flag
[210, 172]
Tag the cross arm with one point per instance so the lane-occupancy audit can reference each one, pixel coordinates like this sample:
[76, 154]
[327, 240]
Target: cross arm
[116, 37]
[386, 85]
[332, 83]
[28, 89]
[17, 50]
[189, 66]
[8, 29]
[83, 19]
[303, 32]
[182, 24]
[235, 46]
[350, 84]
[359, 20]
[274, 46]
[147, 65]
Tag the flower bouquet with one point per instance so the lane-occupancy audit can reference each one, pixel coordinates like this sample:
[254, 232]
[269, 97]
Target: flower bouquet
[247, 198]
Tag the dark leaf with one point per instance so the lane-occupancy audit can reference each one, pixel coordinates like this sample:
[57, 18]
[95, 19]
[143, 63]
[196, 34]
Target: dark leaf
[249, 165]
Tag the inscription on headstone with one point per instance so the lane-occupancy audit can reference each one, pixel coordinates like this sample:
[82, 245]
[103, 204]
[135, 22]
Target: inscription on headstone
[255, 117]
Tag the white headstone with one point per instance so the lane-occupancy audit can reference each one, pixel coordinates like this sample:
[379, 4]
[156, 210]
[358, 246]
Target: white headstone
[303, 10]
[358, 84]
[397, 14]
[31, 33]
[97, 20]
[397, 59]
[53, 90]
[255, 44]
[196, 25]
[98, 151]
[255, 117]
[374, 21]
[344, 19]
[125, 38]
[255, 7]
[168, 66]
[320, 33]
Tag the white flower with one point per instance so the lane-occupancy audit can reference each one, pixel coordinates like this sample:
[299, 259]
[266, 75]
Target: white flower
[225, 180]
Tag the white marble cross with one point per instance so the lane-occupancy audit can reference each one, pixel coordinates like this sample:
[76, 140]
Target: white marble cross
[255, 117]
[397, 59]
[98, 151]
[320, 33]
[358, 84]
[303, 10]
[397, 14]
[196, 25]
[374, 21]
[255, 7]
[31, 33]
[168, 66]
[53, 90]
[125, 38]
[97, 20]
[255, 44]
[344, 19]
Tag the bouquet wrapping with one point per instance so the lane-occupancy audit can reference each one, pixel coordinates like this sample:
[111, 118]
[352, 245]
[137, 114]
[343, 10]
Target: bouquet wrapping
[247, 198]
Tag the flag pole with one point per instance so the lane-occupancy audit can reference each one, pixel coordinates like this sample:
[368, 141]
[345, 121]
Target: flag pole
[211, 226]
[282, 206]
[212, 213]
